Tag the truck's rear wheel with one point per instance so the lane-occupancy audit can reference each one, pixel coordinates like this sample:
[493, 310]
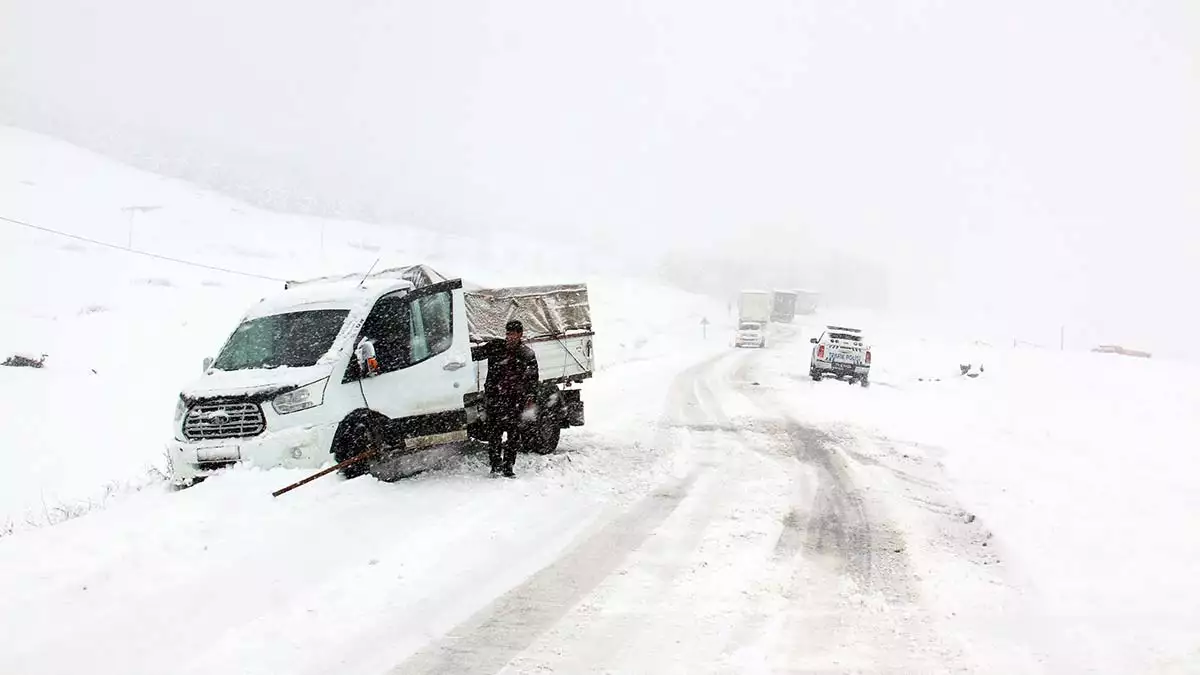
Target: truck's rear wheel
[545, 436]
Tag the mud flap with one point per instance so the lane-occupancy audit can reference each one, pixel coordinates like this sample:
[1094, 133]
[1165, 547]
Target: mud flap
[573, 407]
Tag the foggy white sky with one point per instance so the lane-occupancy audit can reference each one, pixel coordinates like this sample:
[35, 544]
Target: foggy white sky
[1035, 160]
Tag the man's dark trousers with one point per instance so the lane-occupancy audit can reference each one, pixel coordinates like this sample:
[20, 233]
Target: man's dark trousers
[503, 456]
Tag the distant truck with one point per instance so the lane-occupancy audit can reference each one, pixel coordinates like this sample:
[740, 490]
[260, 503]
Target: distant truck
[393, 361]
[783, 306]
[807, 301]
[754, 306]
[754, 312]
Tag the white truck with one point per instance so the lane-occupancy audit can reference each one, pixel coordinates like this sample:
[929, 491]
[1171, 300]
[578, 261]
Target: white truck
[840, 352]
[754, 313]
[333, 367]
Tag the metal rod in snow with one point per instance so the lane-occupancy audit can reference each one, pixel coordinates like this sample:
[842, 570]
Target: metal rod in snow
[362, 457]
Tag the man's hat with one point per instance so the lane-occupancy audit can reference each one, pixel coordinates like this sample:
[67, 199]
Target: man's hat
[514, 326]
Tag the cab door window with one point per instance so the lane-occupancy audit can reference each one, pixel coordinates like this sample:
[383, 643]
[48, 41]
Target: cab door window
[431, 326]
[408, 331]
[387, 328]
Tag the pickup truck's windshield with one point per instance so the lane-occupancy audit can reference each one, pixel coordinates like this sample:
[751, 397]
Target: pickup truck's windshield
[849, 337]
[294, 340]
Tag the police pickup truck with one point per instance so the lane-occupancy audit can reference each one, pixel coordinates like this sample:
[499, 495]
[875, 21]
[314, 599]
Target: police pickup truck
[840, 352]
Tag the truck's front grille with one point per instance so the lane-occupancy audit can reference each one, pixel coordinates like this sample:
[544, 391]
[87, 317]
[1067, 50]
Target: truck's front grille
[223, 419]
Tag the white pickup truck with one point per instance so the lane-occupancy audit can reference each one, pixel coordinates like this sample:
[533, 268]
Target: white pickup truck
[290, 388]
[841, 352]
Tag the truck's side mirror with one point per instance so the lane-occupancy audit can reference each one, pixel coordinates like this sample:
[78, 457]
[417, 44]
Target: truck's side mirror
[368, 365]
[208, 361]
[814, 340]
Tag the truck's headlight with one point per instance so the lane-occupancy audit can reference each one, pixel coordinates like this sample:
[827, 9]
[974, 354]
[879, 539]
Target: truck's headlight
[308, 396]
[180, 409]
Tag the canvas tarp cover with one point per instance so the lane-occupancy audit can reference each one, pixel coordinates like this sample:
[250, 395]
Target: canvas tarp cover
[542, 310]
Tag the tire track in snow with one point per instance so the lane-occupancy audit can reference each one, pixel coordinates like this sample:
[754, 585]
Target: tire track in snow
[838, 524]
[633, 624]
[862, 614]
[494, 636]
[490, 639]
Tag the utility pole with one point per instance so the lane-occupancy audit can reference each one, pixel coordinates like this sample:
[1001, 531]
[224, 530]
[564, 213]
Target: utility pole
[704, 327]
[1062, 338]
[132, 210]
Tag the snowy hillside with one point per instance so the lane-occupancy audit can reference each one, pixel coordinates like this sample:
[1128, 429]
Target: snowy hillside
[124, 331]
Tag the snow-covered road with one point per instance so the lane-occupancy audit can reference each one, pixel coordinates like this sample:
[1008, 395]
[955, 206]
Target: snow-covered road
[762, 553]
[700, 527]
[722, 514]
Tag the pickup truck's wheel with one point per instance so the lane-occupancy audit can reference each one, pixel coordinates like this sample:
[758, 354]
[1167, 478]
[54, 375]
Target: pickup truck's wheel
[353, 438]
[814, 375]
[865, 382]
[544, 436]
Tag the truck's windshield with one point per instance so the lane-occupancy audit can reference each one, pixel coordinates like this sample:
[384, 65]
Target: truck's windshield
[294, 340]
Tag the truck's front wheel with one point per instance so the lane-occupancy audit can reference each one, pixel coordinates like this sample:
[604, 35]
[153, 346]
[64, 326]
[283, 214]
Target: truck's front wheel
[353, 438]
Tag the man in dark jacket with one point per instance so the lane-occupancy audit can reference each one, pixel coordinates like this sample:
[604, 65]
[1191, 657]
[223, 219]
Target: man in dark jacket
[512, 381]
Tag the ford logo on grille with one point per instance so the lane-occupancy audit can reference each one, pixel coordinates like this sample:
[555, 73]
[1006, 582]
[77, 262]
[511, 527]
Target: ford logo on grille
[215, 418]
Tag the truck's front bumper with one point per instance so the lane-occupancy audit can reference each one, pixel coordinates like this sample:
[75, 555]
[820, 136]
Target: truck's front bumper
[298, 447]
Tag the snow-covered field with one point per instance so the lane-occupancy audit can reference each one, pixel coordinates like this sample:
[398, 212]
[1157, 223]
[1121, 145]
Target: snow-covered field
[720, 512]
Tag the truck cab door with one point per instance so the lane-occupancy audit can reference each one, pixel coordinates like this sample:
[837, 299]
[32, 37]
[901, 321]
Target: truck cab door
[423, 349]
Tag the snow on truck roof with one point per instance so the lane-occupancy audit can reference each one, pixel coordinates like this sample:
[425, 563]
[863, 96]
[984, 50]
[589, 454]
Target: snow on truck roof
[544, 310]
[330, 295]
[344, 291]
[416, 275]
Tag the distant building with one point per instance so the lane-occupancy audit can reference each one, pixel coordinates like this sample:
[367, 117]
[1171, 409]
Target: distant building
[1118, 349]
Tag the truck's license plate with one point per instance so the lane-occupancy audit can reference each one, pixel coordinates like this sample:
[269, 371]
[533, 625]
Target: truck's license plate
[222, 453]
